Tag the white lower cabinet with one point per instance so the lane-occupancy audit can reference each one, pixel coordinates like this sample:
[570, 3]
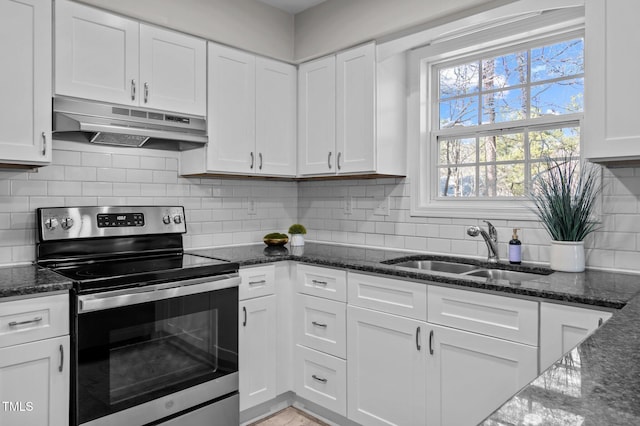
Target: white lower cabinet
[563, 327]
[386, 372]
[470, 375]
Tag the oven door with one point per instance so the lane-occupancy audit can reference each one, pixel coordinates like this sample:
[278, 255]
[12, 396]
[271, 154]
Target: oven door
[148, 353]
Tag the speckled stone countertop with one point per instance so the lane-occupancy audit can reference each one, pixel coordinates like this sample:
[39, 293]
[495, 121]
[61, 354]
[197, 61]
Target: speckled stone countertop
[30, 279]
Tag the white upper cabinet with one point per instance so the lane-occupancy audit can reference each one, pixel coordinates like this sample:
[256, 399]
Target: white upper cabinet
[251, 119]
[351, 112]
[25, 105]
[106, 57]
[611, 132]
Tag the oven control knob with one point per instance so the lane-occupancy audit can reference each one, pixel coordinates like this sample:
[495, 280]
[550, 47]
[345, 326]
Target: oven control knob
[51, 223]
[177, 219]
[66, 223]
[166, 219]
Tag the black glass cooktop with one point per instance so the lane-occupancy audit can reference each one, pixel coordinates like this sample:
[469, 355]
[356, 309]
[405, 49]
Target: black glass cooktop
[122, 272]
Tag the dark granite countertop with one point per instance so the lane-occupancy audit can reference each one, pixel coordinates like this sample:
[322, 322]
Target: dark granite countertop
[30, 279]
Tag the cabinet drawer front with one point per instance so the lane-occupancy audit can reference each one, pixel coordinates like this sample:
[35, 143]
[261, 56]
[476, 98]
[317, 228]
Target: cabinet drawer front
[322, 282]
[257, 282]
[321, 378]
[389, 295]
[26, 320]
[321, 324]
[498, 316]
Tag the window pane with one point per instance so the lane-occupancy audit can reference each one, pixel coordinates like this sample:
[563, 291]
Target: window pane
[459, 80]
[554, 143]
[561, 97]
[508, 147]
[459, 112]
[507, 105]
[457, 181]
[557, 60]
[502, 180]
[504, 71]
[457, 151]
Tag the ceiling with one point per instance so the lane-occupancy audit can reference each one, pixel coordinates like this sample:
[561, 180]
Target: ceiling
[292, 6]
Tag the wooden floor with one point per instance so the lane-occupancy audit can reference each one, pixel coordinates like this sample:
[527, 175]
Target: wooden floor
[289, 417]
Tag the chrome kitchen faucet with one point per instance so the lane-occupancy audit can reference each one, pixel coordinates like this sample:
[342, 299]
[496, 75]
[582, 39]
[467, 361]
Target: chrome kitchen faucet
[491, 239]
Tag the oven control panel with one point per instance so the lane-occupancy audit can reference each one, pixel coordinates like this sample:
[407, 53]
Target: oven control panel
[113, 221]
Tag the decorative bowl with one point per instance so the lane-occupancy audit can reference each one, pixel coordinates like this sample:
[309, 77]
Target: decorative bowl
[275, 239]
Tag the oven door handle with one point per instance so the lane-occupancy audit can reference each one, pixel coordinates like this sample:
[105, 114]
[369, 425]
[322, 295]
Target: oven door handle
[150, 293]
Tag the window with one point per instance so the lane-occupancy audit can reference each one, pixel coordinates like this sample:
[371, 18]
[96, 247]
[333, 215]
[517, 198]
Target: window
[499, 115]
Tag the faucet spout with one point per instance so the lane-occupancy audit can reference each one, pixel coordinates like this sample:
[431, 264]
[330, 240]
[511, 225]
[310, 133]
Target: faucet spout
[490, 238]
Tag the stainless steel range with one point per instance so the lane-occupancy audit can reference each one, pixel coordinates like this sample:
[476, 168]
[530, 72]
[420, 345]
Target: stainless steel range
[155, 330]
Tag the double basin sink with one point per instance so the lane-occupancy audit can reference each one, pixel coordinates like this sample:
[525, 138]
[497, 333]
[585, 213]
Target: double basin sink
[489, 271]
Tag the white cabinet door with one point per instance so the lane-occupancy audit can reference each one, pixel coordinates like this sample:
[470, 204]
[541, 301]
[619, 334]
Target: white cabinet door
[275, 117]
[386, 368]
[563, 327]
[610, 129]
[34, 383]
[257, 351]
[25, 82]
[231, 118]
[470, 375]
[356, 110]
[317, 117]
[172, 71]
[96, 54]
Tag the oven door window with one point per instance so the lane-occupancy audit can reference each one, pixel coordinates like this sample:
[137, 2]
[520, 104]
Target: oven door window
[133, 354]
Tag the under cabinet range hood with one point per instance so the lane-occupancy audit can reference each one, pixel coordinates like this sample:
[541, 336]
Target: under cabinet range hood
[110, 124]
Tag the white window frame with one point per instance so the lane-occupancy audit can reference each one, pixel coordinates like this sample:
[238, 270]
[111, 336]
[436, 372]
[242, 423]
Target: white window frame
[422, 148]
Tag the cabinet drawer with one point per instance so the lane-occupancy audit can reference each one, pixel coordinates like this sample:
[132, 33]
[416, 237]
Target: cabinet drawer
[257, 282]
[498, 316]
[27, 320]
[321, 378]
[322, 282]
[389, 295]
[321, 324]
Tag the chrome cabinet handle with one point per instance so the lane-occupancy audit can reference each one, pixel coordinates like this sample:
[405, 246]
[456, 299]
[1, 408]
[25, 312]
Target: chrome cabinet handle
[329, 160]
[61, 359]
[44, 143]
[320, 379]
[319, 324]
[600, 322]
[431, 342]
[133, 90]
[257, 282]
[260, 158]
[316, 282]
[418, 347]
[251, 166]
[17, 323]
[146, 92]
[338, 161]
[244, 309]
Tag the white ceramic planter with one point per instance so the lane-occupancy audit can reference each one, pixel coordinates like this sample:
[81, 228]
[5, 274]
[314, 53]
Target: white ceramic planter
[296, 240]
[567, 256]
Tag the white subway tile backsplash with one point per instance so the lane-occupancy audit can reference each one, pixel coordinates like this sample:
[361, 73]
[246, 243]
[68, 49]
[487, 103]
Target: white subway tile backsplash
[153, 163]
[111, 175]
[140, 176]
[97, 189]
[66, 158]
[162, 176]
[126, 161]
[96, 159]
[65, 188]
[49, 173]
[81, 174]
[28, 187]
[153, 189]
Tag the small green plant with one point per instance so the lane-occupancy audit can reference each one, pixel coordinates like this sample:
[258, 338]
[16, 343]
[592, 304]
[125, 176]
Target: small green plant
[565, 198]
[296, 228]
[275, 236]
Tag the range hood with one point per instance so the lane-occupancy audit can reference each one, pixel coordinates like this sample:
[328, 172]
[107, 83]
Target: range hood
[110, 124]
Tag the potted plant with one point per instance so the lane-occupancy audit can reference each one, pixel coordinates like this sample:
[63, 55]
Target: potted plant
[565, 199]
[297, 231]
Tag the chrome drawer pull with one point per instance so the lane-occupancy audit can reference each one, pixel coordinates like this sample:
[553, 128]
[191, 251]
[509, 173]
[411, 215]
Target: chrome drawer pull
[318, 324]
[257, 282]
[431, 342]
[61, 359]
[244, 309]
[320, 379]
[17, 323]
[316, 282]
[418, 347]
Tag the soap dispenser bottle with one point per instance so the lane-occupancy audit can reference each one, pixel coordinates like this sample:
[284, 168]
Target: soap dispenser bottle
[515, 248]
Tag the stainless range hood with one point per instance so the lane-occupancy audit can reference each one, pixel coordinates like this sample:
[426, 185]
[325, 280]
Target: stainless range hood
[110, 124]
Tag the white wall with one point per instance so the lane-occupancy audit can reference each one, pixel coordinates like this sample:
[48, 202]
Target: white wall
[337, 24]
[245, 24]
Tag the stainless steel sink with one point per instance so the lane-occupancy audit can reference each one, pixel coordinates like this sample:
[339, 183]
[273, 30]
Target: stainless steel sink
[438, 266]
[500, 274]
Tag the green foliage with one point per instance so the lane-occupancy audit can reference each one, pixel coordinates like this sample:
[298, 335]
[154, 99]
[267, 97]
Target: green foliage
[296, 228]
[565, 198]
[275, 236]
